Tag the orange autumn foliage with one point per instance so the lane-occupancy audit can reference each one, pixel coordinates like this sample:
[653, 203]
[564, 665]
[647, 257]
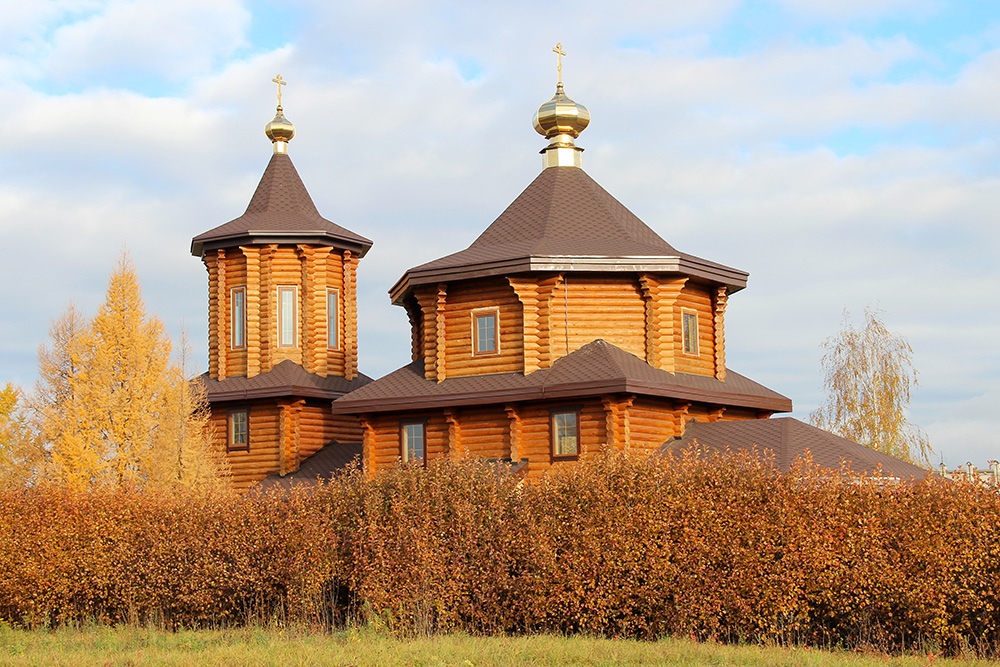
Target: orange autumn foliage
[722, 548]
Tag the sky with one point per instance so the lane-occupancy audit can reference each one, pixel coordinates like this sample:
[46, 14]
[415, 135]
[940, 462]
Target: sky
[843, 152]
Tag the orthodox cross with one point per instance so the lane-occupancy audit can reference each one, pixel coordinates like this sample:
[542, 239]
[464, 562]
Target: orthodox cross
[558, 50]
[281, 82]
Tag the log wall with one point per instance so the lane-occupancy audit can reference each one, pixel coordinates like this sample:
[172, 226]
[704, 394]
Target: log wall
[719, 331]
[634, 424]
[286, 270]
[462, 300]
[535, 294]
[211, 262]
[383, 447]
[482, 432]
[699, 300]
[312, 270]
[263, 456]
[651, 424]
[546, 316]
[236, 276]
[659, 298]
[282, 434]
[587, 307]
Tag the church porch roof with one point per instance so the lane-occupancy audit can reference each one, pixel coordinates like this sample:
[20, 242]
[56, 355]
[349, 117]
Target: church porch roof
[789, 439]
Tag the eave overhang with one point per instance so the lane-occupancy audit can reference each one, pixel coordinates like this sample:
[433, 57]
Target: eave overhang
[682, 264]
[561, 391]
[319, 237]
[298, 391]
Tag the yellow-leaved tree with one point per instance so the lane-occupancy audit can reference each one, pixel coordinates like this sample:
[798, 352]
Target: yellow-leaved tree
[20, 456]
[868, 373]
[113, 408]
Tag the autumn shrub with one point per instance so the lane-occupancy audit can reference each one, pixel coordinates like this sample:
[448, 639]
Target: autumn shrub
[722, 547]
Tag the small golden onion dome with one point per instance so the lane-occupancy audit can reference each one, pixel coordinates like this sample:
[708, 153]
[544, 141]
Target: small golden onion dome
[280, 128]
[561, 115]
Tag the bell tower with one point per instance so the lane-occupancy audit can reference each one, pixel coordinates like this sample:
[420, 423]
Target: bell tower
[282, 310]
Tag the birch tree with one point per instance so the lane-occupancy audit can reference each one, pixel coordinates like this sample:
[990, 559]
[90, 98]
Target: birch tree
[868, 374]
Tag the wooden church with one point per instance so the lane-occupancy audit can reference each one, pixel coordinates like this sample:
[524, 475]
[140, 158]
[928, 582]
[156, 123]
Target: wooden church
[568, 327]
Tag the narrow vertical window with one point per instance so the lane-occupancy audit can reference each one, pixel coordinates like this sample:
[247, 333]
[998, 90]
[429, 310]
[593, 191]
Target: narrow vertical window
[238, 427]
[565, 434]
[333, 319]
[690, 332]
[239, 310]
[286, 317]
[412, 436]
[485, 332]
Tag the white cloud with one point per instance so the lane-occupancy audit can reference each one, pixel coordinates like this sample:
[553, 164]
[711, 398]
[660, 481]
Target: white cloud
[726, 157]
[851, 9]
[173, 40]
[29, 21]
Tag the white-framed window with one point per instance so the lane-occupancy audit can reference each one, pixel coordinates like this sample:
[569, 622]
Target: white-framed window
[486, 332]
[288, 316]
[239, 319]
[333, 319]
[412, 437]
[238, 430]
[565, 434]
[689, 331]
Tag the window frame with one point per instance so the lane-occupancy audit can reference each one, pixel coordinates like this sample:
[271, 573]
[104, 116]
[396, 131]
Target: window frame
[230, 412]
[294, 290]
[565, 410]
[695, 332]
[333, 319]
[422, 423]
[233, 344]
[475, 315]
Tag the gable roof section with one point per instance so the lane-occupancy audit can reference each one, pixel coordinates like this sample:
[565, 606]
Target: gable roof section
[565, 221]
[788, 438]
[595, 369]
[323, 465]
[281, 211]
[284, 379]
[334, 458]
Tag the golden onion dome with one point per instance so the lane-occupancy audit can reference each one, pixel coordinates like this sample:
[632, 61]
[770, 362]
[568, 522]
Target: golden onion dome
[280, 128]
[561, 115]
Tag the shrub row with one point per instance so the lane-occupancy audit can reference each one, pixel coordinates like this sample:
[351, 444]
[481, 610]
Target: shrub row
[723, 547]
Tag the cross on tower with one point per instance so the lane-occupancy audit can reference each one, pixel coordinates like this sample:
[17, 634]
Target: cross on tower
[558, 50]
[281, 82]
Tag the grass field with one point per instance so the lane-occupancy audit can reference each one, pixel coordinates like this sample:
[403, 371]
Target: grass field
[137, 646]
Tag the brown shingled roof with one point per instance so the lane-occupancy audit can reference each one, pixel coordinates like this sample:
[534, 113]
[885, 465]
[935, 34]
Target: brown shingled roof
[596, 368]
[285, 379]
[564, 220]
[321, 466]
[789, 438]
[281, 211]
[336, 456]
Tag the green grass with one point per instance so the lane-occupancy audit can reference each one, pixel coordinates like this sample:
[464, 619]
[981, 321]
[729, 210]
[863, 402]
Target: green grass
[361, 648]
